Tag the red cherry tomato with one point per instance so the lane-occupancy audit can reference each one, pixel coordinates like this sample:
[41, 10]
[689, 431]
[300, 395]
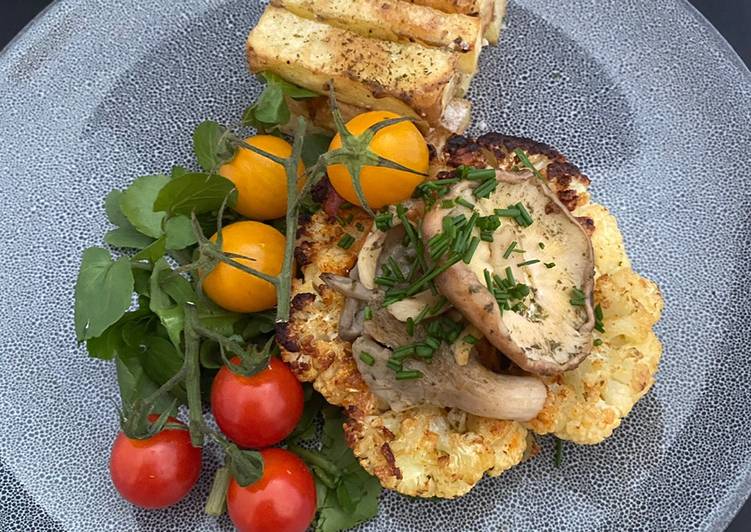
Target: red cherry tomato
[155, 472]
[257, 411]
[284, 500]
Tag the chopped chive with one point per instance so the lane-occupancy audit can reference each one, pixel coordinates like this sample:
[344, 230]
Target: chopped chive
[447, 204]
[577, 297]
[403, 352]
[509, 250]
[510, 275]
[528, 263]
[410, 326]
[526, 162]
[397, 271]
[518, 250]
[359, 226]
[426, 278]
[424, 351]
[541, 245]
[453, 335]
[486, 188]
[507, 213]
[486, 236]
[462, 240]
[393, 296]
[524, 214]
[471, 250]
[394, 365]
[385, 281]
[464, 203]
[480, 174]
[558, 460]
[383, 221]
[435, 309]
[367, 358]
[346, 220]
[368, 313]
[432, 342]
[469, 339]
[408, 375]
[346, 241]
[597, 342]
[550, 265]
[599, 326]
[488, 280]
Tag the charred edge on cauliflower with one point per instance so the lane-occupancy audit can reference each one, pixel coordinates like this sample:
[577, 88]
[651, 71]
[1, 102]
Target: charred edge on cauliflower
[562, 175]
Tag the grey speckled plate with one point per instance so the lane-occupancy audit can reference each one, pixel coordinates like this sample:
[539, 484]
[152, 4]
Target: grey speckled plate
[645, 96]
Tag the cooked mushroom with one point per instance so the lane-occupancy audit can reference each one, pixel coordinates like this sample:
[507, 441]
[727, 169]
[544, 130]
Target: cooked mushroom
[549, 329]
[471, 388]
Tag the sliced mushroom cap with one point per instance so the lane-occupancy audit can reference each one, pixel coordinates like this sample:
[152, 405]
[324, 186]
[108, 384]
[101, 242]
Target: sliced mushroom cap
[471, 388]
[549, 334]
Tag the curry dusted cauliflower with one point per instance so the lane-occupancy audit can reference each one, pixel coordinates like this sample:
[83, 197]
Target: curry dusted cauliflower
[424, 452]
[430, 451]
[585, 405]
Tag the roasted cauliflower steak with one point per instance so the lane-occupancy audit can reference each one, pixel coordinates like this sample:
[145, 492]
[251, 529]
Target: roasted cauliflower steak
[429, 451]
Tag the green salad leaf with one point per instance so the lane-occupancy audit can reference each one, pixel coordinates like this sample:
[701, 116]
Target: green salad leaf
[137, 204]
[271, 109]
[212, 144]
[125, 236]
[135, 385]
[103, 292]
[193, 193]
[179, 233]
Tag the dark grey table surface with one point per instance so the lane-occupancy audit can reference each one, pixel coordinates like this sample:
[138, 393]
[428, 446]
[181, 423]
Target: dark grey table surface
[731, 17]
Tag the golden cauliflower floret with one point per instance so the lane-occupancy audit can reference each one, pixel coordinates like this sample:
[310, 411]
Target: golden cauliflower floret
[607, 241]
[431, 452]
[309, 342]
[585, 405]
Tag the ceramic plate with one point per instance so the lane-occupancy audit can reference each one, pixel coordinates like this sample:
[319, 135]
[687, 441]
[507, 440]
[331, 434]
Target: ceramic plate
[645, 96]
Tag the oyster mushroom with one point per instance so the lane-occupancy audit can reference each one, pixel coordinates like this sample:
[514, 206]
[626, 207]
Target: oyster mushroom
[471, 388]
[551, 329]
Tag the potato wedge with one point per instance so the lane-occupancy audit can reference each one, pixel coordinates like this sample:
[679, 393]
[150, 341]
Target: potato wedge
[490, 12]
[406, 78]
[398, 21]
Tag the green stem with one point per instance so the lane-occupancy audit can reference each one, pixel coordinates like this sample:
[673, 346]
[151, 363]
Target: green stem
[316, 459]
[193, 378]
[210, 251]
[167, 386]
[284, 286]
[216, 503]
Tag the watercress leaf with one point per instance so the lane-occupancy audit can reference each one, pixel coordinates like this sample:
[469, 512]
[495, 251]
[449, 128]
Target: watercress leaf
[141, 280]
[314, 145]
[179, 232]
[137, 204]
[178, 171]
[111, 344]
[209, 355]
[160, 361]
[112, 208]
[293, 91]
[103, 292]
[153, 252]
[170, 314]
[258, 324]
[127, 237]
[212, 143]
[355, 498]
[360, 493]
[305, 428]
[177, 287]
[271, 107]
[135, 385]
[217, 319]
[199, 193]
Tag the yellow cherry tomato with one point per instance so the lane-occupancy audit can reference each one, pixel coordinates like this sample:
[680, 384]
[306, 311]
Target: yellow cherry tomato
[239, 291]
[401, 143]
[261, 183]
